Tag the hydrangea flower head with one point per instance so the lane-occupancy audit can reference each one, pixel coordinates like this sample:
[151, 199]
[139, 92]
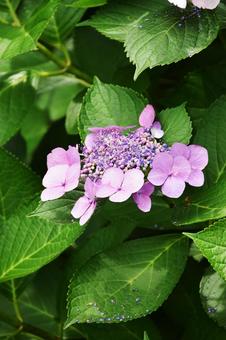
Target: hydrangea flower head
[63, 173]
[118, 163]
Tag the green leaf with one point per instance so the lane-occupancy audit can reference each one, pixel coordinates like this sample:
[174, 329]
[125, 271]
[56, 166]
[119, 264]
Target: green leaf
[127, 282]
[18, 40]
[213, 296]
[183, 308]
[211, 134]
[17, 185]
[160, 215]
[212, 243]
[36, 16]
[132, 330]
[72, 116]
[155, 33]
[26, 244]
[31, 61]
[104, 239]
[203, 205]
[176, 125]
[33, 133]
[106, 104]
[41, 242]
[86, 3]
[146, 337]
[14, 41]
[15, 103]
[57, 93]
[58, 211]
[62, 23]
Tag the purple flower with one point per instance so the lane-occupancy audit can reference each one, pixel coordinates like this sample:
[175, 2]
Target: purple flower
[171, 172]
[119, 186]
[198, 159]
[142, 197]
[86, 205]
[146, 121]
[63, 173]
[92, 137]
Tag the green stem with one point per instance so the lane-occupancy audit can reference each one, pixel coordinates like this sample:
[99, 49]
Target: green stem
[65, 67]
[13, 13]
[15, 302]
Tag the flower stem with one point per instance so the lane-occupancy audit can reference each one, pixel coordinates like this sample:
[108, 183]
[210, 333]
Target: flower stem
[13, 13]
[15, 302]
[65, 66]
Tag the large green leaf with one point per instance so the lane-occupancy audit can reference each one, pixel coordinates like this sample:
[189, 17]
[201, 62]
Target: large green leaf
[204, 204]
[16, 40]
[213, 296]
[155, 33]
[127, 282]
[211, 134]
[17, 185]
[106, 104]
[212, 243]
[176, 125]
[15, 104]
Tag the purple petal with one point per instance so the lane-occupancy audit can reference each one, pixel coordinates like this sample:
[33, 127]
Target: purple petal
[55, 176]
[73, 156]
[57, 156]
[104, 190]
[113, 177]
[147, 189]
[80, 207]
[90, 188]
[147, 116]
[173, 187]
[52, 193]
[120, 196]
[89, 212]
[198, 157]
[157, 177]
[206, 4]
[179, 149]
[72, 177]
[90, 141]
[163, 161]
[156, 130]
[133, 180]
[196, 178]
[143, 202]
[181, 168]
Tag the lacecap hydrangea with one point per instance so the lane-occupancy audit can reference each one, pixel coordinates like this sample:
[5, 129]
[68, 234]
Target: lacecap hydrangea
[119, 163]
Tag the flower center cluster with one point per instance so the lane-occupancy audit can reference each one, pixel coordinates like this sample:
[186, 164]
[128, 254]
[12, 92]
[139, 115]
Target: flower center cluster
[136, 149]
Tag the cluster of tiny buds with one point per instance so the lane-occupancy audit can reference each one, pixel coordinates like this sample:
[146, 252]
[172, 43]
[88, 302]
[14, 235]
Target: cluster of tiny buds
[112, 148]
